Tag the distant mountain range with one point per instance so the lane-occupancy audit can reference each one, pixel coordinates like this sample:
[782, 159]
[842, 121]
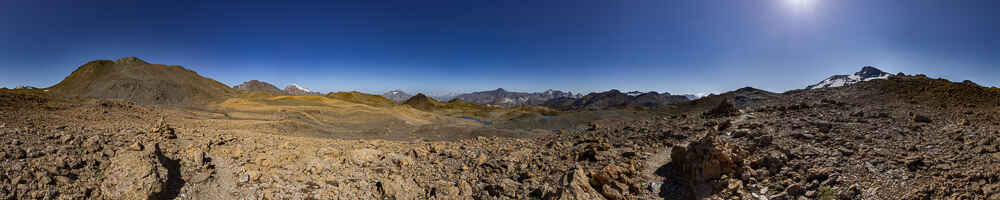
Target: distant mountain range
[506, 98]
[866, 73]
[558, 99]
[135, 80]
[261, 86]
[615, 98]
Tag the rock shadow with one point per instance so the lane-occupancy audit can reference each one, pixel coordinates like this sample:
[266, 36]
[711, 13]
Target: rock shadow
[674, 187]
[174, 181]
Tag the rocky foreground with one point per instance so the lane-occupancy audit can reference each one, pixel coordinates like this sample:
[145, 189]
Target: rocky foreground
[823, 144]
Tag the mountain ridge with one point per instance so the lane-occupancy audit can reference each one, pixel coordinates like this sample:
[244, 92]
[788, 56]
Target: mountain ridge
[615, 98]
[504, 98]
[867, 73]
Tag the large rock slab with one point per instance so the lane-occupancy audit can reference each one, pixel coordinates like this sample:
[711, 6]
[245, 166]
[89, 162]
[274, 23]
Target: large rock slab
[135, 174]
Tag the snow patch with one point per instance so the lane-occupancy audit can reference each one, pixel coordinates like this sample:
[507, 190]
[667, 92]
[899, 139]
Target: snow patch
[296, 86]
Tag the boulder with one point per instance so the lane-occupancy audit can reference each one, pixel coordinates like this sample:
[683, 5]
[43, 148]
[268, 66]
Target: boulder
[576, 186]
[702, 162]
[398, 187]
[162, 129]
[135, 175]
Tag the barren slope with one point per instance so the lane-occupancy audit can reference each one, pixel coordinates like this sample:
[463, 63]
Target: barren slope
[135, 80]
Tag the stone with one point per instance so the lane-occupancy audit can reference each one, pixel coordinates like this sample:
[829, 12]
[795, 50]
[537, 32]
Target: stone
[134, 175]
[739, 133]
[613, 180]
[823, 127]
[763, 141]
[398, 187]
[19, 154]
[365, 155]
[701, 162]
[135, 147]
[419, 153]
[94, 142]
[66, 139]
[915, 163]
[464, 188]
[611, 193]
[575, 185]
[594, 126]
[446, 190]
[163, 130]
[921, 119]
[795, 190]
[62, 180]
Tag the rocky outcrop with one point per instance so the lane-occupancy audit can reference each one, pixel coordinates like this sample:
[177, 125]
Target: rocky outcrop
[576, 186]
[135, 173]
[700, 165]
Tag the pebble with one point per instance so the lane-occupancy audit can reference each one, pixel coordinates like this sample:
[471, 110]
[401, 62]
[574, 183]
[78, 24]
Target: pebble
[135, 147]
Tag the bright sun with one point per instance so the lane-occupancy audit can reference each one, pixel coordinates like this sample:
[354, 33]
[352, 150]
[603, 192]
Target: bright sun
[800, 6]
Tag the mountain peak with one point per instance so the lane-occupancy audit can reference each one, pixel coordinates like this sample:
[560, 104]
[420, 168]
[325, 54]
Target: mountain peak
[296, 90]
[130, 60]
[866, 73]
[256, 85]
[296, 87]
[869, 72]
[397, 95]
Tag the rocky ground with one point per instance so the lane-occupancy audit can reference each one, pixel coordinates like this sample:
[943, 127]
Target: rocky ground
[845, 143]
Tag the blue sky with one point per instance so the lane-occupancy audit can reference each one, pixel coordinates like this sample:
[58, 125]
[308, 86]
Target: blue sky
[461, 46]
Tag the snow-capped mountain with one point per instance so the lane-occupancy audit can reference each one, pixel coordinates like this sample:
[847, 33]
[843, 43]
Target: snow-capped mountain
[25, 87]
[296, 90]
[297, 87]
[866, 73]
[397, 95]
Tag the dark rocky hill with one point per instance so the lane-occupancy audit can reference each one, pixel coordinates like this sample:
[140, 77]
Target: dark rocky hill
[135, 80]
[259, 86]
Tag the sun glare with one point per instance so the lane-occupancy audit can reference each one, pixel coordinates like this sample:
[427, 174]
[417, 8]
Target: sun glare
[800, 6]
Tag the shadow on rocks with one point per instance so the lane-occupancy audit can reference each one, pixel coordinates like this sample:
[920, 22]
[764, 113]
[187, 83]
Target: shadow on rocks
[174, 180]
